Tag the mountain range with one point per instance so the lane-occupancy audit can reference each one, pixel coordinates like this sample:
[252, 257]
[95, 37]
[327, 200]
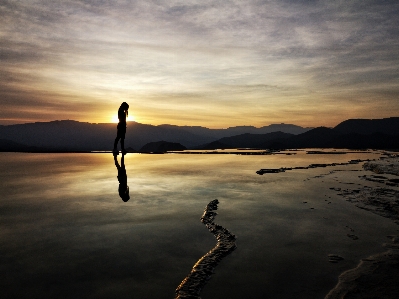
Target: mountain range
[69, 135]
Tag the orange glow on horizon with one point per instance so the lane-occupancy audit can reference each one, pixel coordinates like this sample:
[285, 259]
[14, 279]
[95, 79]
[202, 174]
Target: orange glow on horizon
[115, 119]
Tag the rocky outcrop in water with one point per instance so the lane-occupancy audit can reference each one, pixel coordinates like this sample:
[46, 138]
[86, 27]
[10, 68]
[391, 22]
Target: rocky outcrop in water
[283, 169]
[388, 166]
[192, 285]
[161, 147]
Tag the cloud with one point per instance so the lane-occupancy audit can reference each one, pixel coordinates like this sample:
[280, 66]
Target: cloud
[122, 49]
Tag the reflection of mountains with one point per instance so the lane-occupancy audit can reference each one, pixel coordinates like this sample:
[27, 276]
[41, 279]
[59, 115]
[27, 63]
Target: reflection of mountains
[77, 136]
[191, 286]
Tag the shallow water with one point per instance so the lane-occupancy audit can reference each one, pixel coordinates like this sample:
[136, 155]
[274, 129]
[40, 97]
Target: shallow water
[66, 233]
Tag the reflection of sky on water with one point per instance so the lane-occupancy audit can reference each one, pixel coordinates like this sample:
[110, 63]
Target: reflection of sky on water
[66, 233]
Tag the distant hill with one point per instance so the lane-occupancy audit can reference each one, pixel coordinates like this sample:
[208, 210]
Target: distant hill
[339, 137]
[246, 140]
[161, 147]
[233, 131]
[68, 135]
[213, 146]
[329, 138]
[11, 146]
[318, 137]
[389, 126]
[78, 136]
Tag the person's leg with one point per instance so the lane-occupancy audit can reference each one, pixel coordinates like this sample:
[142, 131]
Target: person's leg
[118, 136]
[123, 145]
[116, 143]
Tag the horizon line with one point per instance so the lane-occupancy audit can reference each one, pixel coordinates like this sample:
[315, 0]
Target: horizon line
[199, 126]
[165, 124]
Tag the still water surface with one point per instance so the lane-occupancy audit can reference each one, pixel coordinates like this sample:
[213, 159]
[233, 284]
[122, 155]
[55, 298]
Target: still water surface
[66, 233]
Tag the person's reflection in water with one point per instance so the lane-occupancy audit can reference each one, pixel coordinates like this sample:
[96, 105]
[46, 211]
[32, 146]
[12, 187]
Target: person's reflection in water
[122, 178]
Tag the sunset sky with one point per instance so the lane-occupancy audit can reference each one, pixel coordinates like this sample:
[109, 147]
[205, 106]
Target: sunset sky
[210, 63]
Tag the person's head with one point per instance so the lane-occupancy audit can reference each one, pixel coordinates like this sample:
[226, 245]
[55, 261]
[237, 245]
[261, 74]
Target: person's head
[125, 106]
[124, 192]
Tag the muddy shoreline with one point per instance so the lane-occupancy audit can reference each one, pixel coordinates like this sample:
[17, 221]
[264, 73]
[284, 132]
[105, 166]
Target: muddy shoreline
[377, 275]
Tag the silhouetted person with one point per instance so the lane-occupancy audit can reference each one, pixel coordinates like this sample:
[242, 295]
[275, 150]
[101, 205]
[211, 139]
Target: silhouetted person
[122, 178]
[122, 114]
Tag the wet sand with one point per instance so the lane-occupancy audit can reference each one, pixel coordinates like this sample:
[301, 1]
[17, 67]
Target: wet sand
[375, 276]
